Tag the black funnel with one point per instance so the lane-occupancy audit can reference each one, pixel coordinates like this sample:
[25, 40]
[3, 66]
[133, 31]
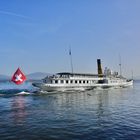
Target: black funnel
[100, 73]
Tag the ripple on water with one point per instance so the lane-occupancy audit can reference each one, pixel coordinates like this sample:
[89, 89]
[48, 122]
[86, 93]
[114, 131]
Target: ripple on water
[99, 114]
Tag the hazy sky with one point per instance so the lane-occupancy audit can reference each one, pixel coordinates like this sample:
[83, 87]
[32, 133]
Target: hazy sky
[36, 34]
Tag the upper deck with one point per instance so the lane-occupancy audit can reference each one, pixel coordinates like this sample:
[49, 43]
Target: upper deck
[74, 76]
[68, 74]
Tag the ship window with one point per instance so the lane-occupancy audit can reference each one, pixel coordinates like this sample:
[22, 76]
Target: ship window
[80, 82]
[76, 82]
[87, 82]
[56, 81]
[62, 81]
[71, 81]
[67, 81]
[84, 82]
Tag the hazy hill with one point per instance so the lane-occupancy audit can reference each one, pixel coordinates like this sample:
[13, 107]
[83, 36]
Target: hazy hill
[32, 76]
[37, 76]
[4, 77]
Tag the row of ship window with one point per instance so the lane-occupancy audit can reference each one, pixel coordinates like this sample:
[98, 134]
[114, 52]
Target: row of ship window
[72, 81]
[75, 81]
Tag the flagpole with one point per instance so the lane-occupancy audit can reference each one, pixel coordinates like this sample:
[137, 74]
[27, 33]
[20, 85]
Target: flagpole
[70, 54]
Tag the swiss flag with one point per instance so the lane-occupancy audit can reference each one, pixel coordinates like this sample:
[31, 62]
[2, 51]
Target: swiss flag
[18, 77]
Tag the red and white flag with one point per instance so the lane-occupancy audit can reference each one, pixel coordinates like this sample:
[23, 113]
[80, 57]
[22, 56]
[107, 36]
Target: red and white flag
[18, 77]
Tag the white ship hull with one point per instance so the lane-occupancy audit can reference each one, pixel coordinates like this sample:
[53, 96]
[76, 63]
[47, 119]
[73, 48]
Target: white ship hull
[49, 88]
[65, 87]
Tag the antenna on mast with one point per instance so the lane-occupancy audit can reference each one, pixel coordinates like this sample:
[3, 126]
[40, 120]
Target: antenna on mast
[70, 54]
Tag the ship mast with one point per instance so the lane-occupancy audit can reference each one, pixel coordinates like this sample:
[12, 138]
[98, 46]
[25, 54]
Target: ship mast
[70, 54]
[120, 65]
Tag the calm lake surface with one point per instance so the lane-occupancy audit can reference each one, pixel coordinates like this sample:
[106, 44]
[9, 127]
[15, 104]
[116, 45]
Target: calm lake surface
[110, 114]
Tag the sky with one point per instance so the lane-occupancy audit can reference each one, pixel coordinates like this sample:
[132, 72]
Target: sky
[36, 35]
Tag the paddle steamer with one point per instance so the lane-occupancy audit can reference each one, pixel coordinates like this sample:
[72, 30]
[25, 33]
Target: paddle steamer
[83, 81]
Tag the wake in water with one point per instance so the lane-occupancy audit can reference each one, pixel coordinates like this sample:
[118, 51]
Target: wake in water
[9, 88]
[14, 92]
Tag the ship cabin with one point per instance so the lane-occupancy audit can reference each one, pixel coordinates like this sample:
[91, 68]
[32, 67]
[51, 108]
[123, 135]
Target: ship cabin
[73, 78]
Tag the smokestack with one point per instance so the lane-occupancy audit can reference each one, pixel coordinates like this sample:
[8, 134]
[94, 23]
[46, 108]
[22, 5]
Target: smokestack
[100, 73]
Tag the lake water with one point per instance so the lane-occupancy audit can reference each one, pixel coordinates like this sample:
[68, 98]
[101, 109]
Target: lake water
[110, 114]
